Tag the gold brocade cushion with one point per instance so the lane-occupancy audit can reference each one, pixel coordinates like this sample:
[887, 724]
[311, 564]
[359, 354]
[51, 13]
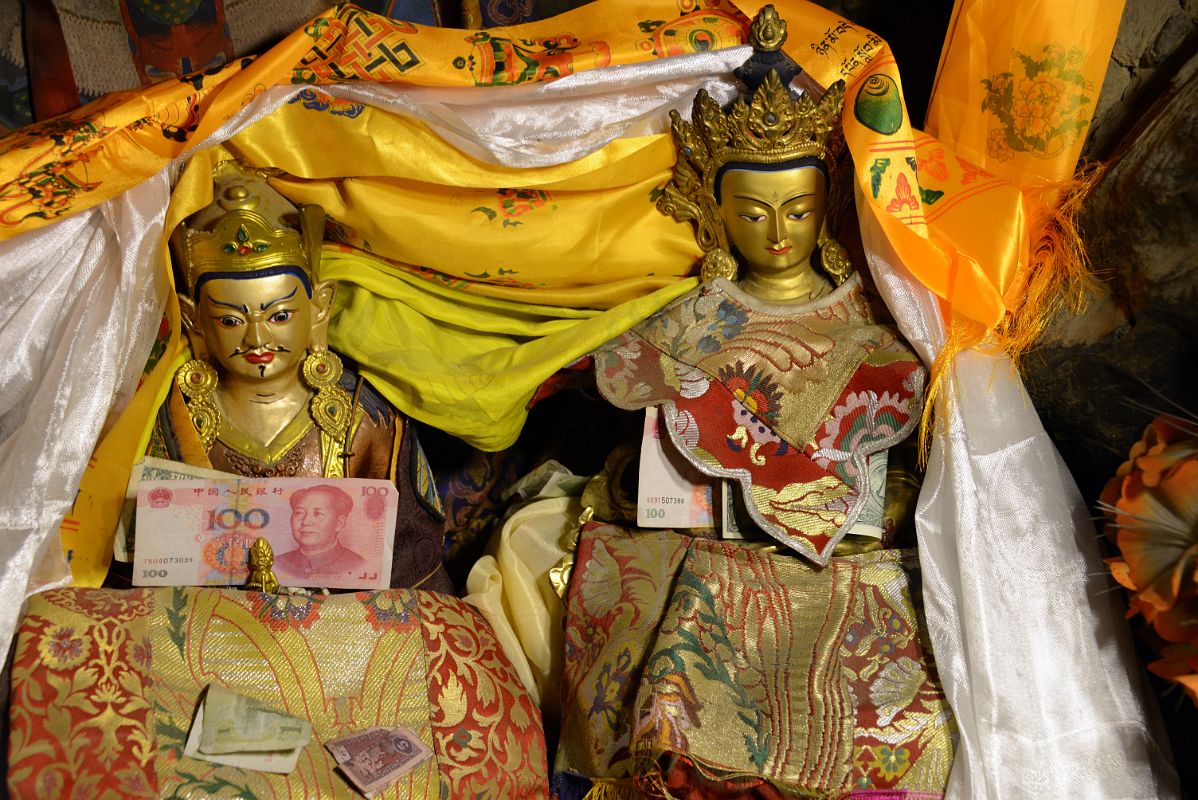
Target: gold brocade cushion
[105, 684]
[710, 667]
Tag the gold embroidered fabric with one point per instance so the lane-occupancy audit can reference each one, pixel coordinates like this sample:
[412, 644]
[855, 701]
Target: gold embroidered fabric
[715, 665]
[106, 685]
[787, 400]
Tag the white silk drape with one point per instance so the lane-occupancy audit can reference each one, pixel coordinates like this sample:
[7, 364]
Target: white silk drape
[1029, 642]
[80, 305]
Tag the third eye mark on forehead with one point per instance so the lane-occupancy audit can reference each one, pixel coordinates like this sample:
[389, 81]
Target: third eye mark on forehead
[791, 199]
[244, 310]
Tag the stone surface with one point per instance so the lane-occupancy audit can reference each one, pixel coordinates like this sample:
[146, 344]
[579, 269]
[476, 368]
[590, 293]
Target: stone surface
[1097, 379]
[1155, 37]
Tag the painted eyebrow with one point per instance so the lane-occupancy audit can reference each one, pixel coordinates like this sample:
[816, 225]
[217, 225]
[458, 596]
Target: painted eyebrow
[765, 202]
[798, 196]
[265, 306]
[233, 306]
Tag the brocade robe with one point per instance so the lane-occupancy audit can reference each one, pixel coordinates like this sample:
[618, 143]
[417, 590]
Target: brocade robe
[789, 400]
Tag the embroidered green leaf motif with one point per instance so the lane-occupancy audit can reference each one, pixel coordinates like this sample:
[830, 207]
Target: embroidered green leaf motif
[929, 196]
[176, 618]
[170, 736]
[1040, 111]
[876, 171]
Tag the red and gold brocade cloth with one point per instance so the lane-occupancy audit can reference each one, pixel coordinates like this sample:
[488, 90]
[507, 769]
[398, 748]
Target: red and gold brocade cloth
[789, 400]
[711, 669]
[105, 684]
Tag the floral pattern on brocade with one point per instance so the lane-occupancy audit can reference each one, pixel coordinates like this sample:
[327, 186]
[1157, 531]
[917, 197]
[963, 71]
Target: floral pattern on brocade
[80, 721]
[712, 666]
[93, 714]
[790, 401]
[483, 722]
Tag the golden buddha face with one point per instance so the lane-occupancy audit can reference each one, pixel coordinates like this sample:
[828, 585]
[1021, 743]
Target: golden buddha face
[773, 218]
[257, 328]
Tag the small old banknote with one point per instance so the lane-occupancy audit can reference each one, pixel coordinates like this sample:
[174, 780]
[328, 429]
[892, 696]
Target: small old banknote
[234, 723]
[238, 731]
[870, 521]
[151, 469]
[672, 493]
[375, 758]
[333, 533]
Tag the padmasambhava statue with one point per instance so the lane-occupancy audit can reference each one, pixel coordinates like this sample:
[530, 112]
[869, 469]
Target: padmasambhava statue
[263, 395]
[776, 380]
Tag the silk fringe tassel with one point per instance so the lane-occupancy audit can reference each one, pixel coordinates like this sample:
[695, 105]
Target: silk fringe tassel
[608, 790]
[1058, 278]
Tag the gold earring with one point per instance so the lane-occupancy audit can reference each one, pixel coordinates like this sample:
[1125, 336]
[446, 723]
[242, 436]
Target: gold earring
[833, 258]
[197, 381]
[330, 408]
[718, 263]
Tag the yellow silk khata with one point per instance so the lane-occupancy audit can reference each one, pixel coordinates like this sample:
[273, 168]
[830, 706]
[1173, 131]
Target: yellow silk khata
[967, 208]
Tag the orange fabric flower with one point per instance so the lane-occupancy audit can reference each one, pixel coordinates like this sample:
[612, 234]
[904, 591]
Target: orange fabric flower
[1180, 665]
[1152, 503]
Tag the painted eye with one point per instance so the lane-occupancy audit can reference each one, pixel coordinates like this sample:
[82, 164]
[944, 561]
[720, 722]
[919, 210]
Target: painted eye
[752, 217]
[228, 322]
[279, 317]
[799, 215]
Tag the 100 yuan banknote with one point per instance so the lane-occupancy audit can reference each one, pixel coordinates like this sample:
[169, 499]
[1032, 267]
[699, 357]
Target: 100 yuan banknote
[151, 469]
[672, 493]
[324, 533]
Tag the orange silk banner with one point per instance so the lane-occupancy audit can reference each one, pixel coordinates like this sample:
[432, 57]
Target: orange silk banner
[1013, 99]
[963, 203]
[70, 163]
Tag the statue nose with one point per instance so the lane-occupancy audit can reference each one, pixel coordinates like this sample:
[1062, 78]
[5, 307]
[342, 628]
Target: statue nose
[778, 228]
[256, 334]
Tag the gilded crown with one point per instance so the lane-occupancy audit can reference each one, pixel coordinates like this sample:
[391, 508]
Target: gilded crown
[248, 227]
[772, 127]
[767, 124]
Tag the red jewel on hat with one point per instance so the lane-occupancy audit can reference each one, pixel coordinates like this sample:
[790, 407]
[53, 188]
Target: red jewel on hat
[244, 249]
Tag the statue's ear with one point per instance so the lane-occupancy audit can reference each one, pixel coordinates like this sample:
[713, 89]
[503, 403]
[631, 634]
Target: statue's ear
[190, 318]
[322, 309]
[187, 311]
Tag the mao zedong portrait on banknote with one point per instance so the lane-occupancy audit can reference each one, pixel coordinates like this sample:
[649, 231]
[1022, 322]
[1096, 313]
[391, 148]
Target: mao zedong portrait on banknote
[318, 516]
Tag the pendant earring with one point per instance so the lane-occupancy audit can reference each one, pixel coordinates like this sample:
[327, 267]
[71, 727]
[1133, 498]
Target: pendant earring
[833, 258]
[197, 381]
[330, 408]
[718, 263]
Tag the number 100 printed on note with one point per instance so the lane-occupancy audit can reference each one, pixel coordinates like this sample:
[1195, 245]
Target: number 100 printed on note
[324, 533]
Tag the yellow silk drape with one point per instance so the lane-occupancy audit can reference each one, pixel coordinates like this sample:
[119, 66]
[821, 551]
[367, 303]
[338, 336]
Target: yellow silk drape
[962, 206]
[583, 234]
[463, 363]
